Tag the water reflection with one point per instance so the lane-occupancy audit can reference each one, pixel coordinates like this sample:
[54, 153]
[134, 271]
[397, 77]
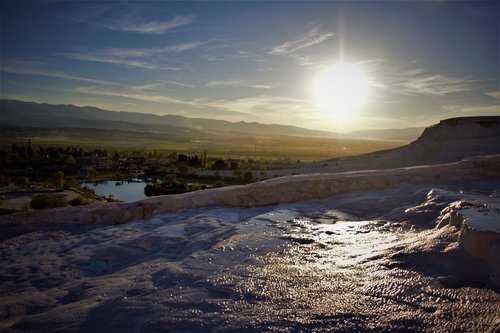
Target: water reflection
[119, 190]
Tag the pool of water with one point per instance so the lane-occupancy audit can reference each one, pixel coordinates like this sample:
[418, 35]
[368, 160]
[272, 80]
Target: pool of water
[123, 191]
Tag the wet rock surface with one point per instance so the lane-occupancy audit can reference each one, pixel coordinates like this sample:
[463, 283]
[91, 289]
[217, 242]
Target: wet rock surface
[365, 261]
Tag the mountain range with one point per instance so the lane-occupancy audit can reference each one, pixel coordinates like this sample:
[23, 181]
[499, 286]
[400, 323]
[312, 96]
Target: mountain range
[17, 113]
[31, 114]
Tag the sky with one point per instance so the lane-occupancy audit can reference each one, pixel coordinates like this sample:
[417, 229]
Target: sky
[255, 60]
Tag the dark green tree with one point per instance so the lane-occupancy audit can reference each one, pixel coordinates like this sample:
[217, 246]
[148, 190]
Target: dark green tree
[58, 179]
[219, 165]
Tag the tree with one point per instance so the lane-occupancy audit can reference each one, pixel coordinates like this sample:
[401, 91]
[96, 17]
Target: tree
[171, 178]
[181, 158]
[45, 201]
[59, 179]
[195, 187]
[204, 160]
[149, 190]
[194, 161]
[70, 161]
[29, 151]
[219, 165]
[78, 201]
[54, 155]
[183, 169]
[22, 181]
[41, 151]
[248, 176]
[234, 165]
[4, 180]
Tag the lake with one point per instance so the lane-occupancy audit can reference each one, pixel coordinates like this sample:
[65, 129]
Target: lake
[126, 191]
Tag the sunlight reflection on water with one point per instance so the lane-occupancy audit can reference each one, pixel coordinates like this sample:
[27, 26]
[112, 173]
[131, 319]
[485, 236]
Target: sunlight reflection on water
[126, 191]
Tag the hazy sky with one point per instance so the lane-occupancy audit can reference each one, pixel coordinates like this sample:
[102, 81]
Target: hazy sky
[255, 61]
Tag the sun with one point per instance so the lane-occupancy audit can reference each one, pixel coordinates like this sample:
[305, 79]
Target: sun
[341, 89]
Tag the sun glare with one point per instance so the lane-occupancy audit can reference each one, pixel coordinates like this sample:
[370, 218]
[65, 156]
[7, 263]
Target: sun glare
[341, 88]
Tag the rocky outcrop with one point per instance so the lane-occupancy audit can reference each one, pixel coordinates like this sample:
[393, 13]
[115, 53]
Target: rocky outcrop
[448, 141]
[457, 138]
[478, 227]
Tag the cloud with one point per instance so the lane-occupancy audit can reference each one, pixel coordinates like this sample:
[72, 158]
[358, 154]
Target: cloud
[247, 54]
[127, 18]
[237, 83]
[490, 109]
[18, 97]
[118, 61]
[177, 48]
[133, 94]
[17, 69]
[417, 82]
[495, 94]
[159, 85]
[310, 38]
[180, 84]
[474, 109]
[147, 58]
[224, 83]
[273, 108]
[131, 24]
[144, 87]
[261, 86]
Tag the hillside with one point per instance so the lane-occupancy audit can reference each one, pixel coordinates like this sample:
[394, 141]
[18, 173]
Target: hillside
[17, 113]
[448, 141]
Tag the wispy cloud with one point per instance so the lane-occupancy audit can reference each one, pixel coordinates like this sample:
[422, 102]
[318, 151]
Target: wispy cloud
[143, 87]
[273, 108]
[117, 61]
[127, 18]
[238, 83]
[312, 37]
[19, 69]
[262, 86]
[148, 58]
[133, 24]
[417, 82]
[177, 83]
[495, 94]
[224, 83]
[138, 93]
[483, 109]
[134, 94]
[474, 109]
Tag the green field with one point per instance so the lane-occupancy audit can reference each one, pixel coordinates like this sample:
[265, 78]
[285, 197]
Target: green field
[268, 147]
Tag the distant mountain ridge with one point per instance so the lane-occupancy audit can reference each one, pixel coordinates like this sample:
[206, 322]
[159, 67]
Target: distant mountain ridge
[18, 113]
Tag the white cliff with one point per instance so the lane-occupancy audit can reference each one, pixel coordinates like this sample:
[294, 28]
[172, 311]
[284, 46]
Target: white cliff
[448, 141]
